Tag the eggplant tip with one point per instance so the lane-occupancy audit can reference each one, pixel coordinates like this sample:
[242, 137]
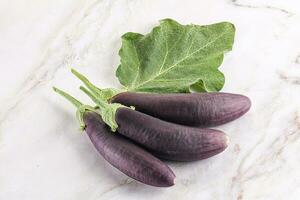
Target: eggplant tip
[227, 140]
[174, 181]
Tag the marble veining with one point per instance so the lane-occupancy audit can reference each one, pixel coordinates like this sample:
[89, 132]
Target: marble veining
[290, 79]
[240, 4]
[297, 60]
[43, 155]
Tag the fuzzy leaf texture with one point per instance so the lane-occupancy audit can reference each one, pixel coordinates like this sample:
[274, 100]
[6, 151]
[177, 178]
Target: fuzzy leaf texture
[175, 57]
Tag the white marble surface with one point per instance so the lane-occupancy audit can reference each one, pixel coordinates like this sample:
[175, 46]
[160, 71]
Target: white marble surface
[43, 155]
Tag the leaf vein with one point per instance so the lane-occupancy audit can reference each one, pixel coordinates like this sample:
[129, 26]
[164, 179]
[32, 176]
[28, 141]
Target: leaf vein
[181, 60]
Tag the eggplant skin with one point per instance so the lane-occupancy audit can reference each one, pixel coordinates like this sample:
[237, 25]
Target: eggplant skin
[194, 109]
[126, 156]
[168, 140]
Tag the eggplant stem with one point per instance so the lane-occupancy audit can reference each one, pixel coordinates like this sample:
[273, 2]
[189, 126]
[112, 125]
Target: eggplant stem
[81, 108]
[94, 89]
[71, 99]
[94, 98]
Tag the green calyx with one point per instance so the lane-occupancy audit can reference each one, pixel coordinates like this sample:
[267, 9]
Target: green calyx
[106, 110]
[81, 108]
[101, 98]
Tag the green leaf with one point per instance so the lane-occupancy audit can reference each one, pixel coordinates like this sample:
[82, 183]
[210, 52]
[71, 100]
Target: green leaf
[175, 57]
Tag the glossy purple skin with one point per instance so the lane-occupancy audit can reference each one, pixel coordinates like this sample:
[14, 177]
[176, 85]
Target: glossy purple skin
[195, 109]
[126, 156]
[167, 140]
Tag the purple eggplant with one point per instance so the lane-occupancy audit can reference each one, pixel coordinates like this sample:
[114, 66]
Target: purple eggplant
[129, 158]
[192, 109]
[168, 140]
[196, 109]
[124, 155]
